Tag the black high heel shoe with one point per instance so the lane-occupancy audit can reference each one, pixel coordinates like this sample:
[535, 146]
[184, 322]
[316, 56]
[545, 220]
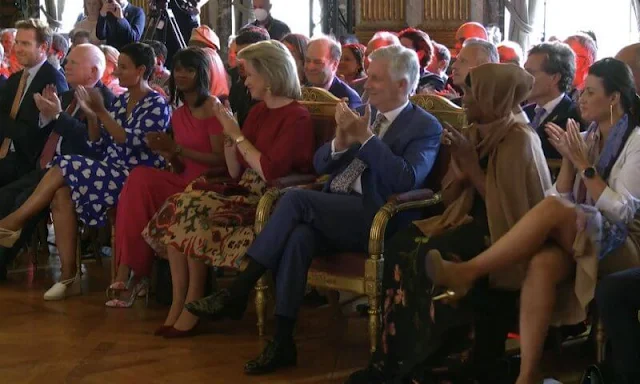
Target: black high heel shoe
[218, 306]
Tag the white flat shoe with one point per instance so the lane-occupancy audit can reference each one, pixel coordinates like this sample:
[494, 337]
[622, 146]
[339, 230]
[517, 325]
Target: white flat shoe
[8, 238]
[64, 289]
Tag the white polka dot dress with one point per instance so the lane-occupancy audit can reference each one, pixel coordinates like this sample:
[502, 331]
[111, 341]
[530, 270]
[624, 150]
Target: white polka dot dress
[95, 185]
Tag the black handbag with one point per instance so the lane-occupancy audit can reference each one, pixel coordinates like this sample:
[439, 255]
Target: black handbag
[593, 375]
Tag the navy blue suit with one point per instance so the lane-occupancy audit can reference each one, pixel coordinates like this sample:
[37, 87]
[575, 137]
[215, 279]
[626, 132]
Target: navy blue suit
[305, 222]
[3, 81]
[566, 109]
[340, 89]
[25, 132]
[120, 32]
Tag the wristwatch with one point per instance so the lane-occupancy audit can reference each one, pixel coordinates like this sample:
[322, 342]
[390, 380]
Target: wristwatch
[240, 139]
[589, 172]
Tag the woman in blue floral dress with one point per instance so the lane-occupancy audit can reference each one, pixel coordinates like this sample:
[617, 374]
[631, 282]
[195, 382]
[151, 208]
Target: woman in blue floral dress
[81, 188]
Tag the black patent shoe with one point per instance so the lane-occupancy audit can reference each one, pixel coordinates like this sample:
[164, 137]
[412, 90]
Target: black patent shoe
[368, 375]
[274, 356]
[218, 306]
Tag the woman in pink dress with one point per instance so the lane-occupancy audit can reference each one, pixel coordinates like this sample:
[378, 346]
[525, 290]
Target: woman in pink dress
[197, 146]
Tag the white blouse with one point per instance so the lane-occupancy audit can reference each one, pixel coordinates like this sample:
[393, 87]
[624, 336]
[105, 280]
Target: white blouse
[621, 198]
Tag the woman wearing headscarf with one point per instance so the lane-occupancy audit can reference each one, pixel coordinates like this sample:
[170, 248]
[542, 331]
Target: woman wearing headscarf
[588, 226]
[497, 172]
[205, 38]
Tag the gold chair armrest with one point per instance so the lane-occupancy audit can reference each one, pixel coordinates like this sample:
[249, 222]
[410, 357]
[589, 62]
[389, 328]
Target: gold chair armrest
[386, 213]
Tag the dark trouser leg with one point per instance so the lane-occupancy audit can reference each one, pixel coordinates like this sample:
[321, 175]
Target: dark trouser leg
[13, 196]
[340, 219]
[618, 303]
[291, 273]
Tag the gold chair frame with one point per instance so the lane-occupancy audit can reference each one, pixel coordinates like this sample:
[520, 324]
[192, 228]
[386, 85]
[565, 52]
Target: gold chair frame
[370, 284]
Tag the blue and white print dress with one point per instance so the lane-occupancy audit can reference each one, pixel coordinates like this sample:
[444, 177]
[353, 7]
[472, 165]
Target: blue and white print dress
[96, 185]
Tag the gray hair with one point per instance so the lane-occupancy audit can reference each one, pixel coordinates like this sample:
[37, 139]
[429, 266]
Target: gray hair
[335, 49]
[60, 44]
[490, 50]
[403, 64]
[95, 56]
[1, 52]
[8, 30]
[389, 37]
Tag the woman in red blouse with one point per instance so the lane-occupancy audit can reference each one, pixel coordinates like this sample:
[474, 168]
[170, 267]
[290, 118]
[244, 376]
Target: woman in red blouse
[211, 223]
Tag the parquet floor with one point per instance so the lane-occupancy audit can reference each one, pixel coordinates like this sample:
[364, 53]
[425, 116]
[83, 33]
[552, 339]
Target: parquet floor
[81, 341]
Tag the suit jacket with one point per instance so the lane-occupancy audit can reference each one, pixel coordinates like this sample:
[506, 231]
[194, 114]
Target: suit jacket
[397, 163]
[3, 81]
[28, 138]
[120, 32]
[340, 89]
[73, 128]
[566, 109]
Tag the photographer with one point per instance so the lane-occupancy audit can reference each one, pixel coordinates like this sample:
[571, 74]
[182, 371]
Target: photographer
[120, 23]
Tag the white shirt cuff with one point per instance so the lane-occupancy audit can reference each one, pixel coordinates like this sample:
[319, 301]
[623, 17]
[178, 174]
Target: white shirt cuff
[44, 121]
[609, 204]
[553, 191]
[334, 154]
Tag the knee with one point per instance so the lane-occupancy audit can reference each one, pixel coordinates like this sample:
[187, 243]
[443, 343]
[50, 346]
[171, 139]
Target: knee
[547, 266]
[292, 199]
[62, 199]
[558, 206]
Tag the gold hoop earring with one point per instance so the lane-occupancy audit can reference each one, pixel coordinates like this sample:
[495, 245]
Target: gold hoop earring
[611, 113]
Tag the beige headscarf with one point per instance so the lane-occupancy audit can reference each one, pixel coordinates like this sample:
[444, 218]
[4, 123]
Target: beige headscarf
[517, 173]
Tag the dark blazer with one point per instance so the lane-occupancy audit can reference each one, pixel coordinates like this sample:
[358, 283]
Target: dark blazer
[28, 138]
[120, 32]
[340, 89]
[565, 110]
[397, 163]
[3, 80]
[277, 29]
[73, 128]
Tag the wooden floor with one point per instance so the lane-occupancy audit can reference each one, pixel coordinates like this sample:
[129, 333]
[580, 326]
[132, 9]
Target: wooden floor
[81, 341]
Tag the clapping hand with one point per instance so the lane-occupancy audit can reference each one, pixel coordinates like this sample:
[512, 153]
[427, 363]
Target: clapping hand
[351, 127]
[48, 102]
[223, 113]
[569, 143]
[462, 149]
[161, 143]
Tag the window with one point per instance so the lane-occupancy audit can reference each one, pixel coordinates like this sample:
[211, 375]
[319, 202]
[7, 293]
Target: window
[612, 21]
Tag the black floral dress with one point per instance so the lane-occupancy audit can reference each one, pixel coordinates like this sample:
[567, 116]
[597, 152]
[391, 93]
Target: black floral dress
[423, 341]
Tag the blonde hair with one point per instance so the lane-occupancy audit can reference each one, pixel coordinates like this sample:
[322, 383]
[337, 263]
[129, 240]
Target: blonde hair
[273, 61]
[111, 54]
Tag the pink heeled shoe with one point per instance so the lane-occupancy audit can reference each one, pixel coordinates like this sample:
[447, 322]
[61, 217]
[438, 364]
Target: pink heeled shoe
[139, 290]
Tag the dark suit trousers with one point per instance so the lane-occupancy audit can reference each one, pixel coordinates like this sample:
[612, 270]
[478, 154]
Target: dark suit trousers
[12, 196]
[12, 168]
[618, 299]
[303, 224]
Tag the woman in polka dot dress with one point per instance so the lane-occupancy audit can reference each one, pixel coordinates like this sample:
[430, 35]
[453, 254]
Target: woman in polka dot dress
[78, 187]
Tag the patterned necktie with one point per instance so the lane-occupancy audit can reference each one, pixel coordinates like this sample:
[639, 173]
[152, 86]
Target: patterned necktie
[537, 118]
[377, 124]
[15, 107]
[49, 150]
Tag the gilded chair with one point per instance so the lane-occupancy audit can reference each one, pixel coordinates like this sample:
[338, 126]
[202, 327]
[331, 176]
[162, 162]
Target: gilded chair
[322, 107]
[361, 273]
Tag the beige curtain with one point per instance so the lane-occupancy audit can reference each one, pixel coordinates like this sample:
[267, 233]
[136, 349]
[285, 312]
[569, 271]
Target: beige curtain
[635, 4]
[523, 14]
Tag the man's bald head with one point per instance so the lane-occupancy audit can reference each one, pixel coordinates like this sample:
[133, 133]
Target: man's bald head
[379, 40]
[469, 30]
[630, 55]
[85, 65]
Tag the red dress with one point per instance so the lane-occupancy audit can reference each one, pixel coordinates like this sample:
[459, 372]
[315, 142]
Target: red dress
[147, 189]
[213, 221]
